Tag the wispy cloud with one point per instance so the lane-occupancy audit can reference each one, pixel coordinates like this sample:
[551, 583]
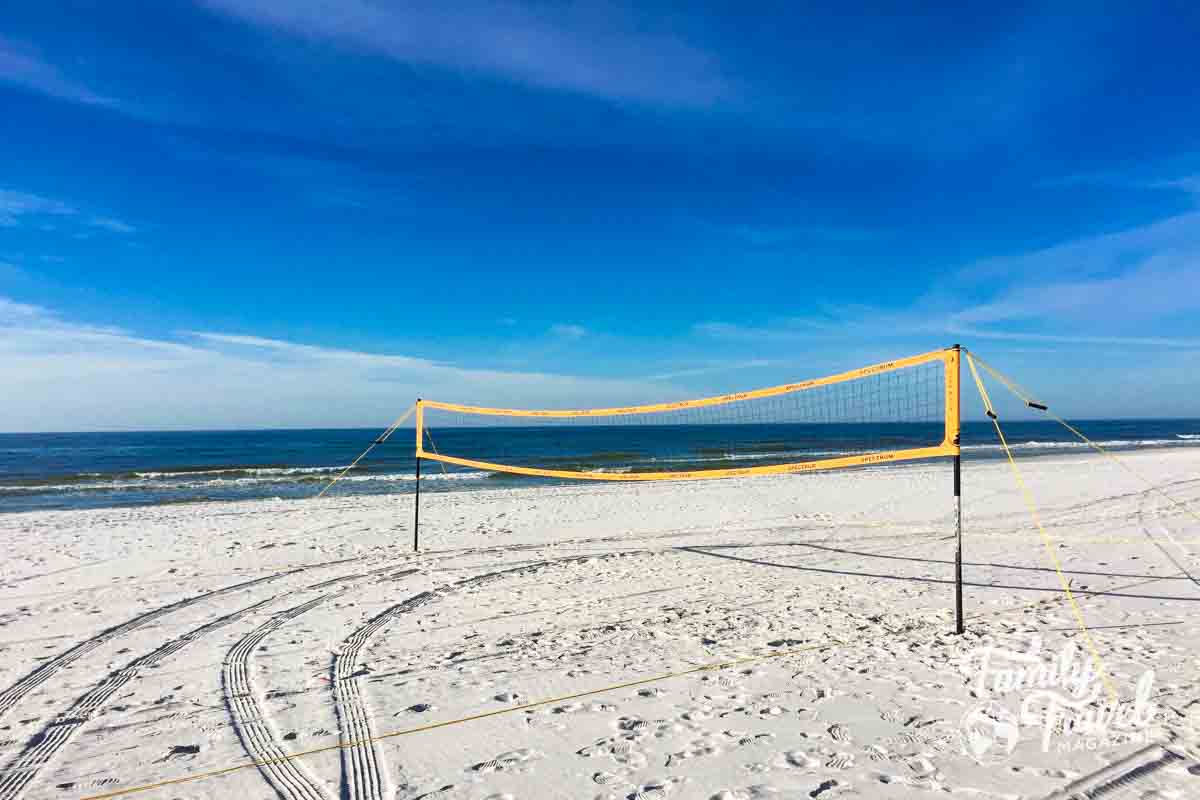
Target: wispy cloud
[1131, 178]
[1089, 257]
[568, 331]
[1189, 184]
[21, 65]
[111, 224]
[16, 205]
[711, 369]
[968, 333]
[1097, 291]
[208, 379]
[788, 329]
[549, 46]
[1162, 286]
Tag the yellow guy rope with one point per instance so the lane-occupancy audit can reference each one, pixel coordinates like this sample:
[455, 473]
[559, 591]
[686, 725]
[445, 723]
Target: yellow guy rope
[1027, 399]
[435, 725]
[382, 438]
[1047, 542]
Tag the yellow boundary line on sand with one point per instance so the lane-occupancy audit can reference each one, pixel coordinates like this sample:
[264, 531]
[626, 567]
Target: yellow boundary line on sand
[445, 724]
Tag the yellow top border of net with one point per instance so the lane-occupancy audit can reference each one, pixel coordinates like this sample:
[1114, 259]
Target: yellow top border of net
[772, 391]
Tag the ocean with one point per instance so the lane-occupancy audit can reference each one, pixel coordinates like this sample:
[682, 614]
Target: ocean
[97, 470]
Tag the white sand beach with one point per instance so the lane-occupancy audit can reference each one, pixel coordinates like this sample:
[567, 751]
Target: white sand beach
[142, 645]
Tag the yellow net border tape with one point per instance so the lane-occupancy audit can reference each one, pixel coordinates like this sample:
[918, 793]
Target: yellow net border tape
[775, 469]
[772, 391]
[948, 447]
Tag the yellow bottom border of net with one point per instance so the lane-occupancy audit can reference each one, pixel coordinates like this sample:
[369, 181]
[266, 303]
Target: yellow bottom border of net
[939, 451]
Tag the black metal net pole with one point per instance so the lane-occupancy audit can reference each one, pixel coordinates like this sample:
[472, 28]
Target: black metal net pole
[417, 493]
[959, 626]
[417, 511]
[958, 603]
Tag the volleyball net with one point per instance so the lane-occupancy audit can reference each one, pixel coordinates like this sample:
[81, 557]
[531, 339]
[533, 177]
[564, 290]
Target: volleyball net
[898, 410]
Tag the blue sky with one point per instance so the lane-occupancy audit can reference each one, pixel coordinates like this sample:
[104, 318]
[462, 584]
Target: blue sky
[245, 213]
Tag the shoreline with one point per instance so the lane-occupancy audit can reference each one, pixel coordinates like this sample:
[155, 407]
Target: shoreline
[76, 494]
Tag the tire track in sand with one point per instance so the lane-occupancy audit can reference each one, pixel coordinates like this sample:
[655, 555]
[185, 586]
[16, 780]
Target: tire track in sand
[44, 746]
[251, 720]
[364, 769]
[15, 693]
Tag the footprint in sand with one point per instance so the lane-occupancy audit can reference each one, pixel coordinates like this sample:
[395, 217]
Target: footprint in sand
[621, 747]
[758, 792]
[620, 750]
[745, 740]
[696, 749]
[840, 761]
[817, 694]
[944, 742]
[905, 739]
[922, 767]
[437, 794]
[839, 732]
[798, 759]
[826, 788]
[506, 761]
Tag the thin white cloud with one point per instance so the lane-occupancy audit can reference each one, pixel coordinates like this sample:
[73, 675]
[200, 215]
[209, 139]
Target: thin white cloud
[17, 207]
[70, 375]
[711, 369]
[1163, 286]
[1114, 341]
[789, 329]
[571, 47]
[15, 204]
[111, 224]
[13, 312]
[22, 66]
[1099, 291]
[568, 331]
[1189, 184]
[1091, 257]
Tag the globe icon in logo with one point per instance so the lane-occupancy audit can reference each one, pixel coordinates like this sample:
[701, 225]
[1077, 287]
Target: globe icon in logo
[989, 732]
